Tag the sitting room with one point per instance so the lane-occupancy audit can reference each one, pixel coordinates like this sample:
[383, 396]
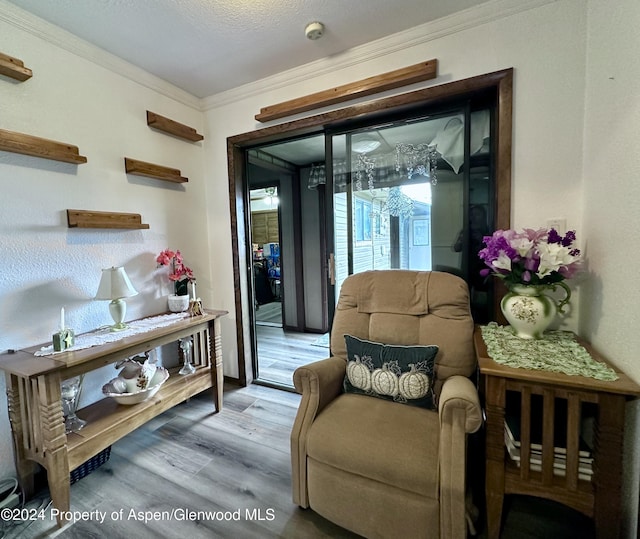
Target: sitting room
[217, 216]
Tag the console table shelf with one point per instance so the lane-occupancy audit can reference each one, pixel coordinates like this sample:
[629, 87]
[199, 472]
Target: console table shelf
[35, 405]
[106, 418]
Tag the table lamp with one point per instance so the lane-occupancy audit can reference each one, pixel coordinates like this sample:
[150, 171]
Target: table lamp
[115, 285]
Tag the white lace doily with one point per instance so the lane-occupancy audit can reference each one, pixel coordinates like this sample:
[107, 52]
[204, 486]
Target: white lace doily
[105, 335]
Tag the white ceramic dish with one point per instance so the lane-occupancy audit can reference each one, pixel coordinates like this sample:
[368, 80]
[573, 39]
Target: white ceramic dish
[160, 377]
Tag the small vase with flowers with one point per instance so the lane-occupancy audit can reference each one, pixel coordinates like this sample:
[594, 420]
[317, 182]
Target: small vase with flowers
[180, 275]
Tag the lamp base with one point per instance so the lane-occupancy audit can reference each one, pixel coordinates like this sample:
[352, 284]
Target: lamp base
[118, 327]
[118, 308]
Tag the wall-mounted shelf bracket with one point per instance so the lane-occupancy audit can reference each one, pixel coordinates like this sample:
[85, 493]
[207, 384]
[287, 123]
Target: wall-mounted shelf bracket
[104, 219]
[149, 170]
[11, 141]
[14, 68]
[172, 127]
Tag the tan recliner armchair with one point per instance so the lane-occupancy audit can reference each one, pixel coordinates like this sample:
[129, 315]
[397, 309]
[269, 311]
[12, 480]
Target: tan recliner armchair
[381, 468]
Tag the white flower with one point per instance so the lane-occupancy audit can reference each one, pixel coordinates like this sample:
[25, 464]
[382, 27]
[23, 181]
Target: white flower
[521, 244]
[553, 256]
[502, 262]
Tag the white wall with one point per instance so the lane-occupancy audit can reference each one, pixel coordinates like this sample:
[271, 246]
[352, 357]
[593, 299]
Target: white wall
[570, 56]
[611, 198]
[545, 45]
[46, 265]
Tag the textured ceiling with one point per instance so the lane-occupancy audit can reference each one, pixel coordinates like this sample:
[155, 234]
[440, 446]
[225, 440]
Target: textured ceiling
[208, 46]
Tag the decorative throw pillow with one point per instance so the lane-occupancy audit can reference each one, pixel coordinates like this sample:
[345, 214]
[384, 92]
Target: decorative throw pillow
[388, 371]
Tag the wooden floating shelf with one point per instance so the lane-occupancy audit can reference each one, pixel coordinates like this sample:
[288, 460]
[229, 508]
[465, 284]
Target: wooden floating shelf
[157, 172]
[11, 141]
[379, 83]
[14, 68]
[104, 219]
[172, 127]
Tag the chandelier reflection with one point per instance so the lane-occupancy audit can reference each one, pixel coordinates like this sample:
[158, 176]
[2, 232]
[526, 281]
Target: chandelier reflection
[365, 166]
[419, 159]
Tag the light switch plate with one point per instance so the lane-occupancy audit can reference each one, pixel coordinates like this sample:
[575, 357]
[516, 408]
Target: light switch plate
[558, 223]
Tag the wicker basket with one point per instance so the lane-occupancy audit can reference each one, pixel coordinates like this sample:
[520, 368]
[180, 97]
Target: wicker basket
[87, 467]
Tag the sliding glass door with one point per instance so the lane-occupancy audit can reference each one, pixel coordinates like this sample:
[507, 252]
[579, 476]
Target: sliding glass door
[411, 195]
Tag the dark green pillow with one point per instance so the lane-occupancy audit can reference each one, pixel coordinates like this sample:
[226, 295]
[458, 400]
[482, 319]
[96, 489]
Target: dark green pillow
[388, 371]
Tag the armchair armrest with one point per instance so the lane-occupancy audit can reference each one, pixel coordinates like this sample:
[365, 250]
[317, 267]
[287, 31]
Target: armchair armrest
[460, 414]
[323, 379]
[458, 392]
[319, 383]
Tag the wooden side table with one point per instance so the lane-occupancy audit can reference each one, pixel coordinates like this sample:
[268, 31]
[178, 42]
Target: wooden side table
[598, 498]
[35, 405]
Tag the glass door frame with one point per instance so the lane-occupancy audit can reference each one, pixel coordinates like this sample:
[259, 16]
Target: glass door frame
[498, 85]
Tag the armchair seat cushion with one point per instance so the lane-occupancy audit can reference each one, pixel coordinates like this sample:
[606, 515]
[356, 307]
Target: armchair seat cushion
[381, 440]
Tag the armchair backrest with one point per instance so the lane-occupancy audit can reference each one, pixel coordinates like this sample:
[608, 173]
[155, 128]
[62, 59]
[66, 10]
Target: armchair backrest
[408, 307]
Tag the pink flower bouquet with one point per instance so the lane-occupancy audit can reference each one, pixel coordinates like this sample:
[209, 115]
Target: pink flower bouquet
[180, 274]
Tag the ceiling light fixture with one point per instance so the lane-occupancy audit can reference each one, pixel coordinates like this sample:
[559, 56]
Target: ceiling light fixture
[314, 30]
[365, 145]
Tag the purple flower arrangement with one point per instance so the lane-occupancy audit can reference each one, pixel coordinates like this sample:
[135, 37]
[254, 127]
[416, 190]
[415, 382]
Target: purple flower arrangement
[530, 257]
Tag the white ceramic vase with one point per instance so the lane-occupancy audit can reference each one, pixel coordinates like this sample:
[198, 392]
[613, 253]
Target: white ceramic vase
[529, 310]
[178, 304]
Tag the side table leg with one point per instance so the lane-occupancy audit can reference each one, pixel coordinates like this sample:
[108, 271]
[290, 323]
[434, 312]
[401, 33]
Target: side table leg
[494, 481]
[607, 464]
[54, 443]
[17, 404]
[217, 368]
[58, 477]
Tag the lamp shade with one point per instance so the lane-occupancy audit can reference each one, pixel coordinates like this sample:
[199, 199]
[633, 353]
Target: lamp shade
[115, 284]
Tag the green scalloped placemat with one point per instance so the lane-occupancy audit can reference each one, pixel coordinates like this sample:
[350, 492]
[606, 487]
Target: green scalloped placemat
[557, 351]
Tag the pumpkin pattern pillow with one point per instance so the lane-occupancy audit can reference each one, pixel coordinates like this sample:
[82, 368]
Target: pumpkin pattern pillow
[393, 372]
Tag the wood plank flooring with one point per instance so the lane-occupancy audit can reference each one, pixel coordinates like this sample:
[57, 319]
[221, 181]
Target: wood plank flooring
[236, 462]
[282, 352]
[270, 314]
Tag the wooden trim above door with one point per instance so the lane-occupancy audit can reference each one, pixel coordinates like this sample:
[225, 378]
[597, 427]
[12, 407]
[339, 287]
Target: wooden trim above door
[501, 82]
[347, 92]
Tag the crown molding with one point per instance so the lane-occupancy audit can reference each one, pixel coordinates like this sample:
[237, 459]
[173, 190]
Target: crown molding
[457, 22]
[452, 24]
[59, 37]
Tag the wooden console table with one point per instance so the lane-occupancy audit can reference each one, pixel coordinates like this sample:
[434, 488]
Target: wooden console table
[599, 498]
[35, 406]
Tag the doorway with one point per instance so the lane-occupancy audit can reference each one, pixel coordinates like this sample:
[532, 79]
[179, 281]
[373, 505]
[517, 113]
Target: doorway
[283, 338]
[265, 254]
[496, 88]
